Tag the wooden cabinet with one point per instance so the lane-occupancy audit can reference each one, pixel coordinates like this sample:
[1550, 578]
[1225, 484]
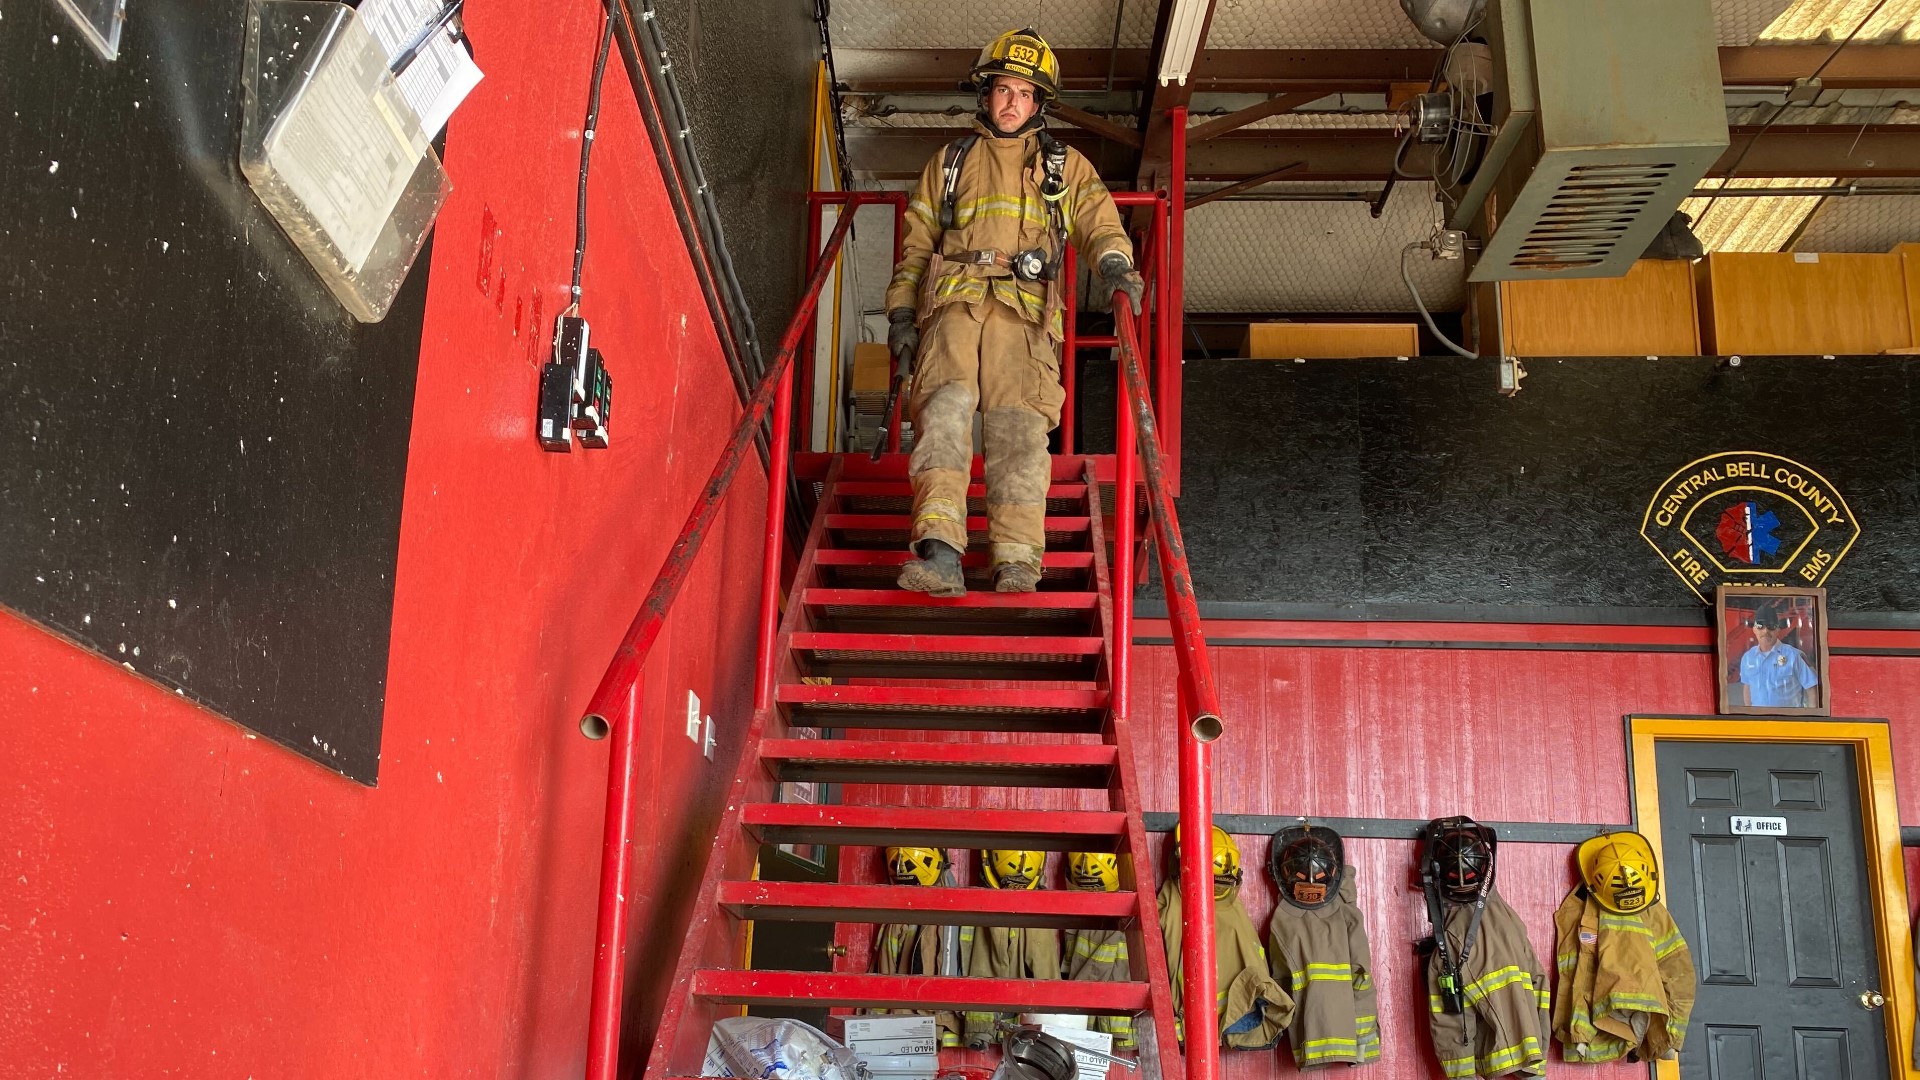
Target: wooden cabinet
[1649, 312]
[1288, 340]
[1802, 303]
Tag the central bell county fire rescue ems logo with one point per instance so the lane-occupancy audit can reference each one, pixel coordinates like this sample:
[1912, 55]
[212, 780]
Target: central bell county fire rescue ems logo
[1748, 518]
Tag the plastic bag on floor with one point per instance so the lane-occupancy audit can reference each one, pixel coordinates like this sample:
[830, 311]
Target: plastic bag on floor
[758, 1048]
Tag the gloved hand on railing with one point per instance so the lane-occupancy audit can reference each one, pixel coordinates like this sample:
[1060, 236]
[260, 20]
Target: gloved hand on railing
[903, 337]
[1118, 275]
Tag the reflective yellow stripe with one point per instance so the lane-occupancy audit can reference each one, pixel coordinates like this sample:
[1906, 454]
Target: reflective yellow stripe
[1111, 952]
[921, 209]
[909, 275]
[1669, 945]
[1488, 985]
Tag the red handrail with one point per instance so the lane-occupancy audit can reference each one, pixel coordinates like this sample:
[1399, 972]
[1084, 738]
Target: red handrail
[620, 686]
[1200, 721]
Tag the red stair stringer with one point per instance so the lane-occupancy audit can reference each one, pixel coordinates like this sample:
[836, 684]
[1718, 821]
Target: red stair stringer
[713, 938]
[1145, 945]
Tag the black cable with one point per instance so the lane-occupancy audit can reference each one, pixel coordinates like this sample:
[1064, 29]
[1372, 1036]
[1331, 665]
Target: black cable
[586, 157]
[1734, 169]
[822, 10]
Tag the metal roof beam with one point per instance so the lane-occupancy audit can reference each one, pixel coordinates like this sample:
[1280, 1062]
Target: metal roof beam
[1365, 154]
[1276, 71]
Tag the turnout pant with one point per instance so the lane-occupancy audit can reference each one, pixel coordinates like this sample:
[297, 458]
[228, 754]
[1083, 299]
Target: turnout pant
[984, 358]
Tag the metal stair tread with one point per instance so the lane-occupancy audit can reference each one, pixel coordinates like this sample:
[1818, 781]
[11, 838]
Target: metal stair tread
[961, 827]
[937, 708]
[877, 761]
[924, 992]
[807, 901]
[1033, 644]
[901, 523]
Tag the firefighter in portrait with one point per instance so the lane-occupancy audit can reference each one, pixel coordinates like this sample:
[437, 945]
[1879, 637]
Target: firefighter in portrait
[974, 309]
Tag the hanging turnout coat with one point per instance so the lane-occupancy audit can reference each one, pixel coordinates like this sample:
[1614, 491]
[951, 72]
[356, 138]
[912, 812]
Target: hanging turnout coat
[914, 949]
[1005, 952]
[1626, 982]
[1503, 1031]
[1253, 1009]
[1100, 956]
[1321, 955]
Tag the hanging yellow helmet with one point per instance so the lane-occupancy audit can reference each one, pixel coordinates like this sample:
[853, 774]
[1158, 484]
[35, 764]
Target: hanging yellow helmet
[1014, 869]
[1620, 871]
[1094, 871]
[1226, 861]
[916, 865]
[1024, 55]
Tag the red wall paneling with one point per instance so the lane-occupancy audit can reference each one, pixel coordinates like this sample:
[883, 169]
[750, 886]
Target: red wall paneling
[179, 898]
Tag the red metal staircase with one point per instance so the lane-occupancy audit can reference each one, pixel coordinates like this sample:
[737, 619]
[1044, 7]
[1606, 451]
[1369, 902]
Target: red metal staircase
[991, 690]
[985, 721]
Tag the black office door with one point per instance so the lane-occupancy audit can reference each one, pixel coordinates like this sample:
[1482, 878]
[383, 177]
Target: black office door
[1766, 875]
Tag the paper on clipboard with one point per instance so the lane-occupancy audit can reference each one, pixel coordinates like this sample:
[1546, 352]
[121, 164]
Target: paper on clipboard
[441, 74]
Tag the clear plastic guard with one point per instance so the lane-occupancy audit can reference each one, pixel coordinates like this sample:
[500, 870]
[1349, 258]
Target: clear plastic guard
[334, 152]
[100, 22]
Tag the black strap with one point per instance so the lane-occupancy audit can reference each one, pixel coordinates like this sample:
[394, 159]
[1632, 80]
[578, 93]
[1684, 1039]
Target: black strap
[950, 170]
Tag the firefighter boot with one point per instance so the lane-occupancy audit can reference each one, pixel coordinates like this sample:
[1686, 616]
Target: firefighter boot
[936, 570]
[1016, 577]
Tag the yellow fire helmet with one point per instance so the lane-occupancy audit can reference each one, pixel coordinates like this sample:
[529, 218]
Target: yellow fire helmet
[1024, 55]
[1094, 871]
[1620, 871]
[1226, 861]
[916, 865]
[1014, 869]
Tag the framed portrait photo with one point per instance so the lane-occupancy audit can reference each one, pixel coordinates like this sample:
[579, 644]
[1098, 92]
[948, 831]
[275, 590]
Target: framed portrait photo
[1770, 650]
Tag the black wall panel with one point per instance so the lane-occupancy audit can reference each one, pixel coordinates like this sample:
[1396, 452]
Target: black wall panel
[201, 453]
[1382, 486]
[746, 71]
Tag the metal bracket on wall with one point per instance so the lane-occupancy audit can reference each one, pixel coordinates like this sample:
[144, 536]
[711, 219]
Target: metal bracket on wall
[1374, 828]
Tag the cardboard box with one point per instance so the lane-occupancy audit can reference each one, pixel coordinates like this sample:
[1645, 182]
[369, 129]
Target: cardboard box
[913, 1047]
[862, 1029]
[1091, 1067]
[902, 1067]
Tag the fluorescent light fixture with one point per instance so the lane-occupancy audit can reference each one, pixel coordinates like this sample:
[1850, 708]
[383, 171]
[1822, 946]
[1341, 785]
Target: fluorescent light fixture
[1184, 29]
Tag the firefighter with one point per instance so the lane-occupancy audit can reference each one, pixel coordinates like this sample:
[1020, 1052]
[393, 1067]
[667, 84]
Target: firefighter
[1098, 955]
[1253, 1009]
[916, 949]
[1626, 975]
[1008, 952]
[1317, 942]
[974, 311]
[1487, 992]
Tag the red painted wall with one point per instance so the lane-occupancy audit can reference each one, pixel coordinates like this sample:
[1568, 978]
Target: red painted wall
[1502, 735]
[179, 898]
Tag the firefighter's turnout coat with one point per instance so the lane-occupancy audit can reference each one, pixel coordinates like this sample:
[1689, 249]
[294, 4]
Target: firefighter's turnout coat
[1321, 955]
[998, 208]
[1253, 1009]
[1503, 1031]
[1626, 982]
[1006, 952]
[913, 949]
[1100, 956]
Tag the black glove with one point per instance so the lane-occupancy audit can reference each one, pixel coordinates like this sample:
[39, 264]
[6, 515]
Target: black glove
[1118, 275]
[903, 337]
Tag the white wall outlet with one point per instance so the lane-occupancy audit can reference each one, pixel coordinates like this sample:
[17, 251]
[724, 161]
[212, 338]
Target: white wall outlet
[693, 716]
[707, 746]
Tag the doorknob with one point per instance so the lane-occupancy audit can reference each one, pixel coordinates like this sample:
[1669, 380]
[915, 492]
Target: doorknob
[1871, 999]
